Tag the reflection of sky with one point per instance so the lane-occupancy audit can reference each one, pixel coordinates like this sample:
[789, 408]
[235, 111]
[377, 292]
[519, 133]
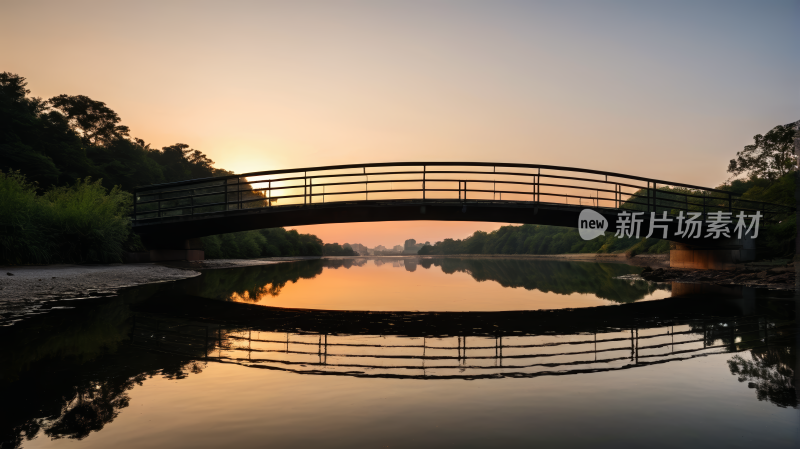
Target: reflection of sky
[695, 403]
[390, 285]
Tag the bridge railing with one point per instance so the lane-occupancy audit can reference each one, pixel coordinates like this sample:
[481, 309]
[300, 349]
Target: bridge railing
[430, 182]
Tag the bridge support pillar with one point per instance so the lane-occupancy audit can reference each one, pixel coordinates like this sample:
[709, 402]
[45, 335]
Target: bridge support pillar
[167, 249]
[721, 257]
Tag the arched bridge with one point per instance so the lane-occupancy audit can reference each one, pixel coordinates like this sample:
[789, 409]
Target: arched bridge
[165, 214]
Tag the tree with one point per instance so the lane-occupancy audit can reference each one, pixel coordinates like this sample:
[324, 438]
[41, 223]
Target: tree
[770, 157]
[95, 122]
[13, 86]
[334, 249]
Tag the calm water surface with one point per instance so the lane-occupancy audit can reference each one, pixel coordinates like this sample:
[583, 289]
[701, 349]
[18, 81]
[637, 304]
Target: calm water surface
[431, 285]
[407, 353]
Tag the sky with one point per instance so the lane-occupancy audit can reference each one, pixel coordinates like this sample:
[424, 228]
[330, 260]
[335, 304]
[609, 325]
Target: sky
[667, 90]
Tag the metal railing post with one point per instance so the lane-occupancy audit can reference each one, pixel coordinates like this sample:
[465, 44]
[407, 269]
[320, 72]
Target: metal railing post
[655, 201]
[238, 193]
[135, 197]
[424, 177]
[704, 205]
[227, 207]
[269, 193]
[686, 202]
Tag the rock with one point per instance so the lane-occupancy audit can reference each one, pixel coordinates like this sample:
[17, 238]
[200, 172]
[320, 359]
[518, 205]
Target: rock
[10, 274]
[647, 270]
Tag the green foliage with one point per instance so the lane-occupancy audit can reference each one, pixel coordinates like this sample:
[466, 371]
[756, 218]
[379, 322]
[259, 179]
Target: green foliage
[776, 238]
[80, 223]
[770, 157]
[539, 239]
[780, 191]
[62, 141]
[276, 242]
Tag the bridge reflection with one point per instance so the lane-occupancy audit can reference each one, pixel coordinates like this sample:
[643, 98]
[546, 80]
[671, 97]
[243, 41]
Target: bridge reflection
[68, 373]
[415, 346]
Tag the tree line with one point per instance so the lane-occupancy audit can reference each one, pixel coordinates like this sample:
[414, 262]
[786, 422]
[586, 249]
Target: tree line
[541, 239]
[766, 171]
[62, 157]
[63, 139]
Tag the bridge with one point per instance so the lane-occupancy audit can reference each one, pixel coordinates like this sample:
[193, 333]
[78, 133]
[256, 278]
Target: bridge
[171, 217]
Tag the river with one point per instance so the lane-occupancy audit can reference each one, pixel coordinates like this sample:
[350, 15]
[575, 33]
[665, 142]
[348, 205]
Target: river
[439, 352]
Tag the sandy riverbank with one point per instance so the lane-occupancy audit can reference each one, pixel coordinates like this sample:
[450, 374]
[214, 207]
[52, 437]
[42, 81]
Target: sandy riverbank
[28, 290]
[25, 290]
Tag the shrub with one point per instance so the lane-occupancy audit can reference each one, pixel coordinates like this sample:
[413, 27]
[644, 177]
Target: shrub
[75, 224]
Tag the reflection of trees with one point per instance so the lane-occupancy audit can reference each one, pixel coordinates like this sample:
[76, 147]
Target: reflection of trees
[344, 263]
[770, 372]
[248, 284]
[551, 276]
[90, 408]
[82, 400]
[251, 283]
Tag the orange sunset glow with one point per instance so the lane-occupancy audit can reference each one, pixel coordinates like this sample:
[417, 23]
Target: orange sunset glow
[271, 85]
